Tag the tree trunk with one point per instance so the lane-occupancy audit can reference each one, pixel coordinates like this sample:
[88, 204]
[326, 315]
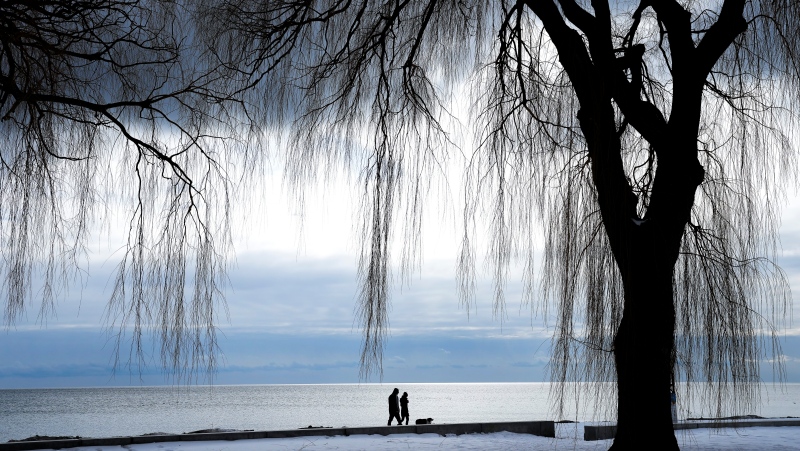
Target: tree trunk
[643, 347]
[643, 350]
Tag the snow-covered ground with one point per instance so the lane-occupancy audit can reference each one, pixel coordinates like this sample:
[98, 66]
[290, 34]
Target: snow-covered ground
[568, 437]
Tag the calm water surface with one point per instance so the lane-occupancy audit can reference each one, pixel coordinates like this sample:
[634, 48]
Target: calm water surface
[103, 412]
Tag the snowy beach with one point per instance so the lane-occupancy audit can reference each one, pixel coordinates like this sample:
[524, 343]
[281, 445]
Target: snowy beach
[568, 437]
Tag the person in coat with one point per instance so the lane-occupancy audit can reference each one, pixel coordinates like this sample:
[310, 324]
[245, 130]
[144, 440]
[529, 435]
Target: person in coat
[394, 408]
[404, 407]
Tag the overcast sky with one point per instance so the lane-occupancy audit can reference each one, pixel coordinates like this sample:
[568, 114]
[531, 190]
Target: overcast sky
[291, 304]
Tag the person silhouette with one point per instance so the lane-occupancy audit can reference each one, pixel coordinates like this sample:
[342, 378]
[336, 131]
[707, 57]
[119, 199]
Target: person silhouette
[394, 408]
[404, 407]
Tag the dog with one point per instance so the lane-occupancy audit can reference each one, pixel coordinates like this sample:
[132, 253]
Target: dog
[424, 421]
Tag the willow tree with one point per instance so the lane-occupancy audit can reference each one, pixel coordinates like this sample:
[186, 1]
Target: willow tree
[108, 111]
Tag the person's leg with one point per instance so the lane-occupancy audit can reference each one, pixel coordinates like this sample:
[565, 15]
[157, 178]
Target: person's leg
[391, 415]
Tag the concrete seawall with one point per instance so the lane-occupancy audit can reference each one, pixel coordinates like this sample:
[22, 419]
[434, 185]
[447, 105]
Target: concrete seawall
[542, 428]
[605, 432]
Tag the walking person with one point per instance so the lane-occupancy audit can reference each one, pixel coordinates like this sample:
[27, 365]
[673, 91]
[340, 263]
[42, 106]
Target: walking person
[404, 408]
[394, 408]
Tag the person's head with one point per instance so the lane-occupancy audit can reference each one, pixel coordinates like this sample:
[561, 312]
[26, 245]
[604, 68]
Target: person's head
[396, 391]
[405, 394]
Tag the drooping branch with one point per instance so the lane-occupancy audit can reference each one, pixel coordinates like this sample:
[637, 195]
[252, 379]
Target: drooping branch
[98, 96]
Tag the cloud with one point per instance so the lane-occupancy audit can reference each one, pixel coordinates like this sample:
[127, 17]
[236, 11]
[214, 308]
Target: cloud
[294, 366]
[535, 364]
[428, 367]
[395, 359]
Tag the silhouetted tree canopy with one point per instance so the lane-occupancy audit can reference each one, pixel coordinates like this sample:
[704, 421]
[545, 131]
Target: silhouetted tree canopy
[648, 142]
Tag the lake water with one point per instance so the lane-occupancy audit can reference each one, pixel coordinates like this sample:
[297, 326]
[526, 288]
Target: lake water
[105, 412]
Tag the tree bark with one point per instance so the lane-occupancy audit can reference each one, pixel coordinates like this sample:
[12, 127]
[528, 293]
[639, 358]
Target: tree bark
[643, 349]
